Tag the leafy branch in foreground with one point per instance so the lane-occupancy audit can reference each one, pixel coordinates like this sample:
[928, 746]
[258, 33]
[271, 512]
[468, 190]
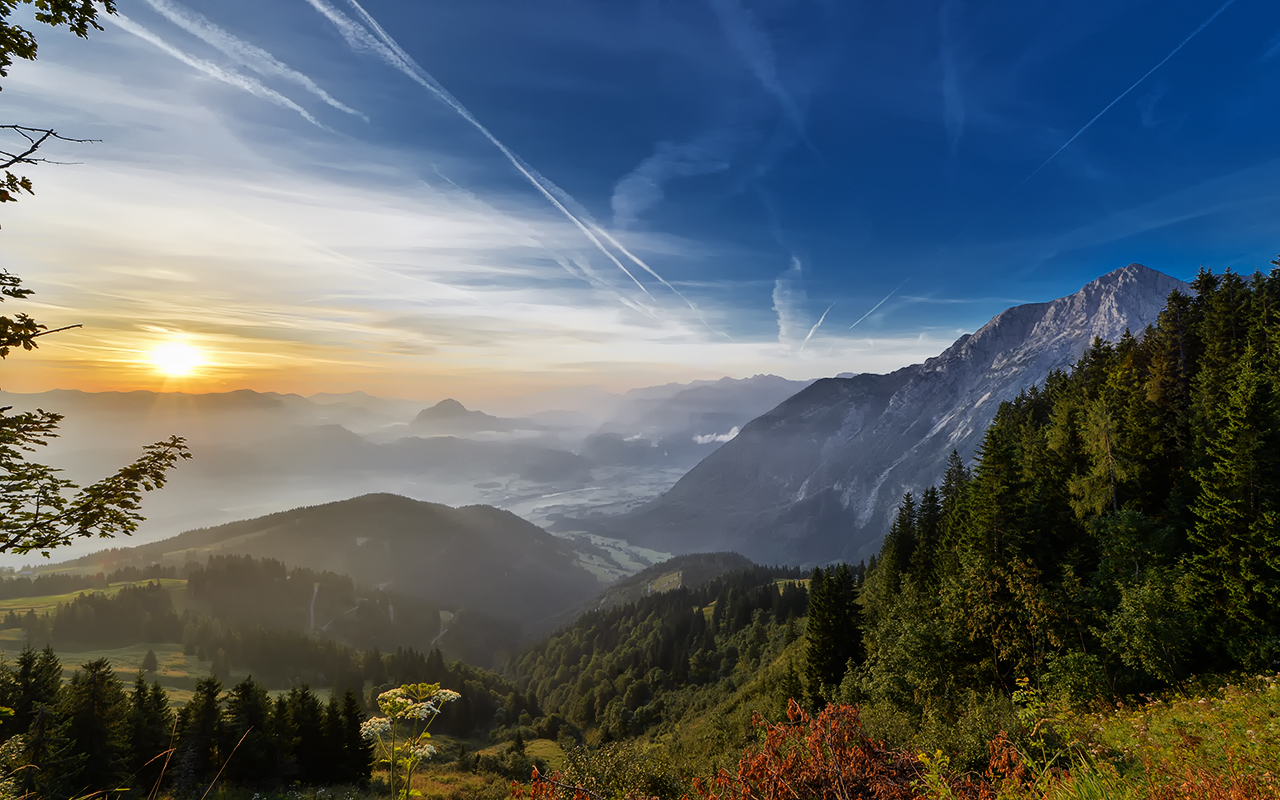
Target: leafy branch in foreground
[39, 510]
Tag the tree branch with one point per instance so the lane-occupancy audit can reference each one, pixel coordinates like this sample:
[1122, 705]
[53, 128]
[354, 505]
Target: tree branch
[35, 138]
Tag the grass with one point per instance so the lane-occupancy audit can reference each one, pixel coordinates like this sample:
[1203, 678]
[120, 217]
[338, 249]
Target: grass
[49, 602]
[1222, 746]
[176, 672]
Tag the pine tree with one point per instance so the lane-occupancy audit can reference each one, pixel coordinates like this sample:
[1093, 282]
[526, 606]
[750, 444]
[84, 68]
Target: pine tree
[819, 646]
[198, 757]
[96, 710]
[310, 751]
[248, 733]
[1237, 535]
[924, 560]
[149, 662]
[847, 621]
[151, 732]
[357, 751]
[38, 681]
[51, 764]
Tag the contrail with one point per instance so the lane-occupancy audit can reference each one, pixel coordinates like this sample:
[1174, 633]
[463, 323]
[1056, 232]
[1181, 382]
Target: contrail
[1203, 25]
[755, 49]
[877, 305]
[227, 76]
[381, 43]
[814, 329]
[251, 56]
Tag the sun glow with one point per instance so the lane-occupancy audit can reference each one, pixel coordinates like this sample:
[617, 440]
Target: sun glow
[176, 359]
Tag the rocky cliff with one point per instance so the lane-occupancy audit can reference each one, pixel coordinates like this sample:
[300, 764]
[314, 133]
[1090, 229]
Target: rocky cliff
[817, 478]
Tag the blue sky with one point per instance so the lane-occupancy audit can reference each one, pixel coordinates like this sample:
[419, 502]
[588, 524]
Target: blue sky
[486, 197]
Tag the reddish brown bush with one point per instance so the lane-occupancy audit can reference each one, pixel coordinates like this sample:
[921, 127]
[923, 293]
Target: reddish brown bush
[829, 757]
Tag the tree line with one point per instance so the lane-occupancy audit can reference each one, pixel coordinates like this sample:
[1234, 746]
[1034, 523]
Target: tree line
[1117, 535]
[90, 734]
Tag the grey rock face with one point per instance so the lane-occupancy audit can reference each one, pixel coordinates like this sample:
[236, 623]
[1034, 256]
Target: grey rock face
[817, 478]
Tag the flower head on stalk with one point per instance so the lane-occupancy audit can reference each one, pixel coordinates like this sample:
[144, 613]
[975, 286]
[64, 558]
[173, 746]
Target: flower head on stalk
[401, 735]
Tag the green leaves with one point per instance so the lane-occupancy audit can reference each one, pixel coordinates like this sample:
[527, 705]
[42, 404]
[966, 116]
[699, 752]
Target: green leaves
[77, 15]
[40, 511]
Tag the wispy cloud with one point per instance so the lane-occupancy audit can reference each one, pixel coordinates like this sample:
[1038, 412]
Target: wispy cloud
[1123, 94]
[230, 77]
[1272, 51]
[753, 46]
[952, 99]
[644, 187]
[877, 305]
[246, 54]
[369, 36]
[788, 303]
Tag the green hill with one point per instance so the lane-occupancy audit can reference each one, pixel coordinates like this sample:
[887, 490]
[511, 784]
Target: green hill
[476, 557]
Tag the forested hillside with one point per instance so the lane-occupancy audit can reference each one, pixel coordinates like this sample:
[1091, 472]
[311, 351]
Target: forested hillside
[1117, 536]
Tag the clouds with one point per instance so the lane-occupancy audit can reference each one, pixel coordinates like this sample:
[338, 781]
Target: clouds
[788, 303]
[1272, 51]
[227, 76]
[952, 98]
[368, 36]
[244, 53]
[343, 211]
[643, 188]
[751, 42]
[717, 438]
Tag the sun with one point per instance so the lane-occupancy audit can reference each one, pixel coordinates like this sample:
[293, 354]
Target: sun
[176, 359]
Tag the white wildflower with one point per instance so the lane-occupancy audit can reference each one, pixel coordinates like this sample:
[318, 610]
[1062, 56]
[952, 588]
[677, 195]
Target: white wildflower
[375, 727]
[422, 750]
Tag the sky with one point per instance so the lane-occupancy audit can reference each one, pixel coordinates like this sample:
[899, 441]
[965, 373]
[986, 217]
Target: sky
[430, 198]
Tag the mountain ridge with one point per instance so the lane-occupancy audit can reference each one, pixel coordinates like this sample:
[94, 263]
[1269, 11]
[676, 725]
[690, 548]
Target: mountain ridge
[813, 480]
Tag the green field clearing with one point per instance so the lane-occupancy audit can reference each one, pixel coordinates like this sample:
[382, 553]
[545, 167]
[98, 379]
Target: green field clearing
[177, 673]
[46, 603]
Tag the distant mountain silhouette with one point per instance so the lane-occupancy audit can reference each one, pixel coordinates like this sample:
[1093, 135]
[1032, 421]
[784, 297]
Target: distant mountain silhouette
[450, 416]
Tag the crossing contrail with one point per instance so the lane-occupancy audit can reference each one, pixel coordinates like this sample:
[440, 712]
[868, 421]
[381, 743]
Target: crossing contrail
[1098, 116]
[227, 76]
[371, 36]
[248, 55]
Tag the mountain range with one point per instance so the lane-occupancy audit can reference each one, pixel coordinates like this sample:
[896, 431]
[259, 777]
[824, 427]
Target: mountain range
[816, 478]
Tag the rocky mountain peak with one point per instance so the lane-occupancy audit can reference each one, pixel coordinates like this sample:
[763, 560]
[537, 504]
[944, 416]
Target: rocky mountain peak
[817, 478]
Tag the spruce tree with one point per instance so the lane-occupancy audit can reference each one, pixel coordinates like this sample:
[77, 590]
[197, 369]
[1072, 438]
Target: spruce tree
[1237, 533]
[846, 626]
[335, 768]
[307, 717]
[198, 757]
[151, 732]
[37, 681]
[51, 765]
[248, 732]
[928, 533]
[95, 707]
[819, 645]
[357, 751]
